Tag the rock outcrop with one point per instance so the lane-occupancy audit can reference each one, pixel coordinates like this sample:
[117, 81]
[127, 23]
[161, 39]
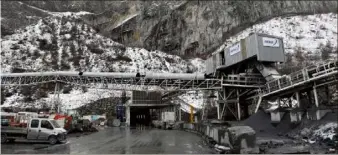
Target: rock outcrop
[195, 28]
[185, 28]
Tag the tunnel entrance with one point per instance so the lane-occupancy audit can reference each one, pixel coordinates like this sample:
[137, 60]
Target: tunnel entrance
[143, 116]
[140, 116]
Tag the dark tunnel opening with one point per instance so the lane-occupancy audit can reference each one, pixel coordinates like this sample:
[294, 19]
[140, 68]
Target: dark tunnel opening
[140, 116]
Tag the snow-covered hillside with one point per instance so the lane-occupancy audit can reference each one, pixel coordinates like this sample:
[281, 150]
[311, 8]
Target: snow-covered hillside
[74, 99]
[72, 45]
[63, 42]
[306, 32]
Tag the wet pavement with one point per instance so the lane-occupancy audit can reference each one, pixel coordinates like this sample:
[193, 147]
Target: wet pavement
[36, 148]
[122, 141]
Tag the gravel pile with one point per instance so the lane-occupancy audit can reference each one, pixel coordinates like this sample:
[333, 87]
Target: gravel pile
[292, 136]
[260, 122]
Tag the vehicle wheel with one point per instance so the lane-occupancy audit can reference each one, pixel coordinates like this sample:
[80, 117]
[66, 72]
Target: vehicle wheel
[3, 138]
[52, 140]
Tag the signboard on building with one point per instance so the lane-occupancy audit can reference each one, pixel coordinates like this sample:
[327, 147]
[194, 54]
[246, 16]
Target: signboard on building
[270, 42]
[235, 49]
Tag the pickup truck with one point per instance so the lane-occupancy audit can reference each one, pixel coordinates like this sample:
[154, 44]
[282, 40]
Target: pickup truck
[37, 130]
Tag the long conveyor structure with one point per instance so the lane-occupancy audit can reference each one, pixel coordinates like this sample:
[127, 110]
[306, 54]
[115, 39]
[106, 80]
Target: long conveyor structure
[242, 72]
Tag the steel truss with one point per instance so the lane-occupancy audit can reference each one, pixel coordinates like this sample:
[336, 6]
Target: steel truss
[306, 81]
[137, 83]
[232, 101]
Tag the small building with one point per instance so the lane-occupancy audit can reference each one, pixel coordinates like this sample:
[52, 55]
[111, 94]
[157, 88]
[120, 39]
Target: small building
[258, 47]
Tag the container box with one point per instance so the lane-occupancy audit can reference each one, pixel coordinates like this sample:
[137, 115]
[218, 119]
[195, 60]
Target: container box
[146, 97]
[261, 47]
[257, 46]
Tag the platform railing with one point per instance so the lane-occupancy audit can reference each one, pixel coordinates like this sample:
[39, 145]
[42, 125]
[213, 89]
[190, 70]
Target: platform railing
[242, 79]
[307, 74]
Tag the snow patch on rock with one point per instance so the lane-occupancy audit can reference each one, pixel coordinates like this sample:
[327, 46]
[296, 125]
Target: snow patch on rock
[76, 98]
[307, 32]
[326, 130]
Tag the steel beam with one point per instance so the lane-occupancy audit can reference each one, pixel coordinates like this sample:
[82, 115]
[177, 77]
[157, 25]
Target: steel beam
[316, 96]
[150, 105]
[238, 106]
[298, 99]
[258, 103]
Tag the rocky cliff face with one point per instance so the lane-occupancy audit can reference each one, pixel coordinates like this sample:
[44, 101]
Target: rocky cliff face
[52, 38]
[185, 28]
[194, 28]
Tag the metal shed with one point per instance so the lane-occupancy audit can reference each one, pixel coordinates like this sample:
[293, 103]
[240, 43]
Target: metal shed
[209, 66]
[217, 59]
[262, 47]
[146, 97]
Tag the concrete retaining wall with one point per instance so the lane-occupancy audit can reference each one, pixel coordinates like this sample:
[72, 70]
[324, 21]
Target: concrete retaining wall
[276, 116]
[296, 117]
[316, 114]
[240, 139]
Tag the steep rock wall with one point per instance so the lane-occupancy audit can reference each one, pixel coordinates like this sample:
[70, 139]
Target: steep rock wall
[184, 28]
[194, 28]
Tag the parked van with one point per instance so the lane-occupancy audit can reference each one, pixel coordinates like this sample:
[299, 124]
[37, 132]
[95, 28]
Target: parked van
[37, 130]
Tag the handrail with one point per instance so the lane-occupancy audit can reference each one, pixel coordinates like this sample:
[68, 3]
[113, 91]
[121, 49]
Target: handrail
[301, 76]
